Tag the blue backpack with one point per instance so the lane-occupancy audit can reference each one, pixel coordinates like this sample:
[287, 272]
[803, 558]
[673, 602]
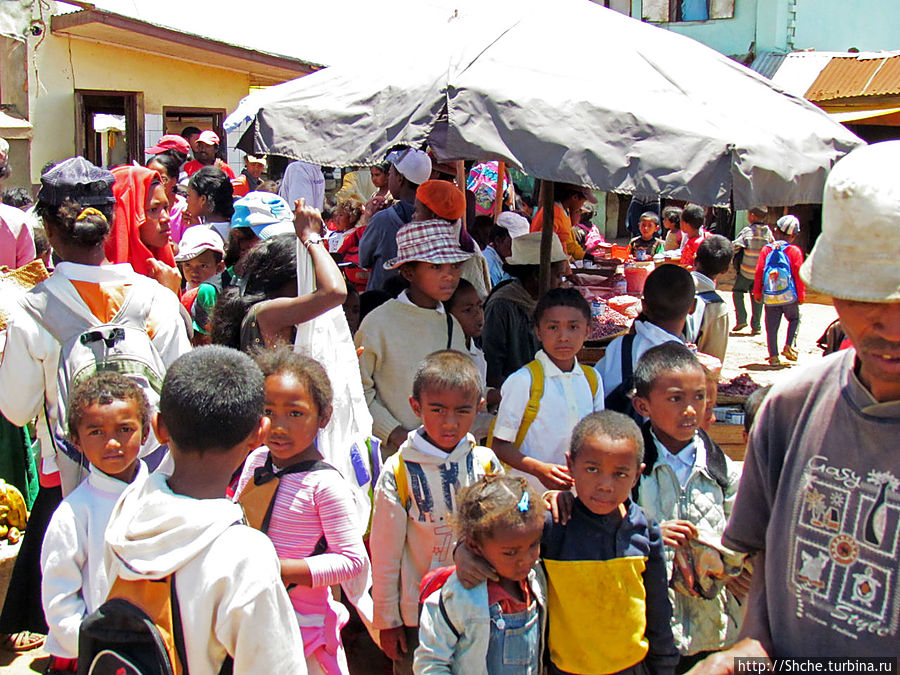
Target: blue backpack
[778, 280]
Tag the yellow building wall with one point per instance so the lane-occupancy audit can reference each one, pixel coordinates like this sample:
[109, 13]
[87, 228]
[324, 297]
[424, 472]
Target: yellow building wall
[65, 64]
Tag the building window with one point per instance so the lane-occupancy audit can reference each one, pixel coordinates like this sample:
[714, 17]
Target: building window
[670, 11]
[109, 126]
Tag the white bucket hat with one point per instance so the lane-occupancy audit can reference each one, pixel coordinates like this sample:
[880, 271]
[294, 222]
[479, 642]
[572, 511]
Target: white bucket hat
[526, 250]
[860, 228]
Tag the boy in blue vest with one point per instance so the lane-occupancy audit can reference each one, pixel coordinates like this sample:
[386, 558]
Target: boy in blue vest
[780, 293]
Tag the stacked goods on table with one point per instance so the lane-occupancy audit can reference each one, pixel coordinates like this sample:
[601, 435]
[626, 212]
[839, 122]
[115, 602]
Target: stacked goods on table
[614, 317]
[737, 389]
[13, 514]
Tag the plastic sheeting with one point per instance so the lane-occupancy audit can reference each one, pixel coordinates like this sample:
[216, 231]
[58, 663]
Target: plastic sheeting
[343, 441]
[569, 92]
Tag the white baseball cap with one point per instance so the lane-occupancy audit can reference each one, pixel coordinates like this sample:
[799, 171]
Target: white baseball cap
[196, 240]
[414, 165]
[514, 223]
[860, 228]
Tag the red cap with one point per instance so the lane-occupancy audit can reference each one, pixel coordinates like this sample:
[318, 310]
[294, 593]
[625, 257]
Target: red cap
[170, 142]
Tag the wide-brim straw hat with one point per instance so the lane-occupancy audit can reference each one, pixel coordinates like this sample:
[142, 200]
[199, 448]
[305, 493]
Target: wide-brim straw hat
[431, 241]
[860, 228]
[526, 250]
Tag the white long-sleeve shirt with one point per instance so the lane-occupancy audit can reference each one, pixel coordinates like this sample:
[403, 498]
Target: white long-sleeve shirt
[74, 582]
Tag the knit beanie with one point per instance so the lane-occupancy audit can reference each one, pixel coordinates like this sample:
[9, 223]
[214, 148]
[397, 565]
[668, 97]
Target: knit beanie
[444, 198]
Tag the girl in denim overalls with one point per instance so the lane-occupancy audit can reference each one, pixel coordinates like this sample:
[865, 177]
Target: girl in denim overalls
[497, 627]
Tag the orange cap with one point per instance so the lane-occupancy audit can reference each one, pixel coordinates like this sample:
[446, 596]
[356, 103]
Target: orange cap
[443, 198]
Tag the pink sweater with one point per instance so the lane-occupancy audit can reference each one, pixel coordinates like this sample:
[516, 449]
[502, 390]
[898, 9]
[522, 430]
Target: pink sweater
[16, 239]
[307, 506]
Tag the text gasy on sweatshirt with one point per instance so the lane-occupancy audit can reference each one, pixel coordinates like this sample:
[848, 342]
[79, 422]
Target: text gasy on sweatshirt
[310, 505]
[74, 581]
[396, 337]
[409, 540]
[227, 577]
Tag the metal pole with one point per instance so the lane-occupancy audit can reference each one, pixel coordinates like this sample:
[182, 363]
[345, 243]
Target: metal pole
[546, 234]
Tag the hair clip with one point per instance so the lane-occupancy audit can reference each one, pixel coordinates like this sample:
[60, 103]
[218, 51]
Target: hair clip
[523, 502]
[89, 211]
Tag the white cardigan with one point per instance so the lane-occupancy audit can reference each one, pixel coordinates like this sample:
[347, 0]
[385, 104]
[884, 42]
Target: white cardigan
[74, 580]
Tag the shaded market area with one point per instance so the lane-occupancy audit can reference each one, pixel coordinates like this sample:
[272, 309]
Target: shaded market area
[538, 339]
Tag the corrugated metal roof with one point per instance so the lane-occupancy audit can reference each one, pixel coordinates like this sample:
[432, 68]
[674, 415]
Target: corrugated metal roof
[798, 70]
[767, 63]
[852, 76]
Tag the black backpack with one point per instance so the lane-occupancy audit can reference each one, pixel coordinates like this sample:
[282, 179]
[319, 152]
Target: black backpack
[137, 631]
[618, 399]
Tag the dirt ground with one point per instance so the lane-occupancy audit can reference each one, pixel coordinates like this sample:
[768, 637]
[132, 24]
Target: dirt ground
[748, 354]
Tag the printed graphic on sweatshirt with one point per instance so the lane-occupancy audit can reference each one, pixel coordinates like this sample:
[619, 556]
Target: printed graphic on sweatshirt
[844, 549]
[434, 503]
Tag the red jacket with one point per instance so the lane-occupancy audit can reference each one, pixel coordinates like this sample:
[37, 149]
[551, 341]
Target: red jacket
[795, 256]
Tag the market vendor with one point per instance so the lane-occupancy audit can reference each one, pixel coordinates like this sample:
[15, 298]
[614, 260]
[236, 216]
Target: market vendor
[568, 201]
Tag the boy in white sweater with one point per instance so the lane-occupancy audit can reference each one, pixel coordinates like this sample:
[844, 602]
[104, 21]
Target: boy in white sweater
[416, 495]
[226, 574]
[108, 421]
[401, 332]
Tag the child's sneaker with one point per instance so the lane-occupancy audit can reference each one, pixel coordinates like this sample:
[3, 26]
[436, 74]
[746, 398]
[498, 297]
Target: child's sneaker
[774, 360]
[789, 353]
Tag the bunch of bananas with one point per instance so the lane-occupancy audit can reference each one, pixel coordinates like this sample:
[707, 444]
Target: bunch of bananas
[13, 514]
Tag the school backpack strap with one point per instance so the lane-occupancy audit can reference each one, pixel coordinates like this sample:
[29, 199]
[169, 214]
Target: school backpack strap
[434, 581]
[449, 328]
[401, 478]
[258, 497]
[591, 376]
[536, 393]
[651, 455]
[710, 297]
[715, 460]
[618, 399]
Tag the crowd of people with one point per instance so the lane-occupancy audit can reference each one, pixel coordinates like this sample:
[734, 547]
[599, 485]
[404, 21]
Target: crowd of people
[507, 508]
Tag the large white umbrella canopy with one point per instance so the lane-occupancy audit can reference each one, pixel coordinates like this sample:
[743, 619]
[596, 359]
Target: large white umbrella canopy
[568, 91]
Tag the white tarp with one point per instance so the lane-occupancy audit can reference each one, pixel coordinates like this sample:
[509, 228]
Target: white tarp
[571, 92]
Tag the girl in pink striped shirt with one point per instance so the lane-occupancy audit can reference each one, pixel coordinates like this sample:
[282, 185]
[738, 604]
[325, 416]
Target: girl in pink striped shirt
[313, 523]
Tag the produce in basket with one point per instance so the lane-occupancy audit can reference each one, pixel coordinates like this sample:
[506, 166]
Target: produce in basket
[13, 514]
[741, 385]
[608, 324]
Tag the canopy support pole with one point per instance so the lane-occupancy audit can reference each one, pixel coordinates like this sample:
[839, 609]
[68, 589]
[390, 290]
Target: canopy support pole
[498, 196]
[461, 184]
[547, 234]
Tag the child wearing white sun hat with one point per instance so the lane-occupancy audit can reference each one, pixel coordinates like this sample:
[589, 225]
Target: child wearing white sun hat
[402, 332]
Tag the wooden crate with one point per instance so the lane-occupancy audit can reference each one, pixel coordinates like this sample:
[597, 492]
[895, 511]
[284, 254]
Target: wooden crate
[730, 438]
